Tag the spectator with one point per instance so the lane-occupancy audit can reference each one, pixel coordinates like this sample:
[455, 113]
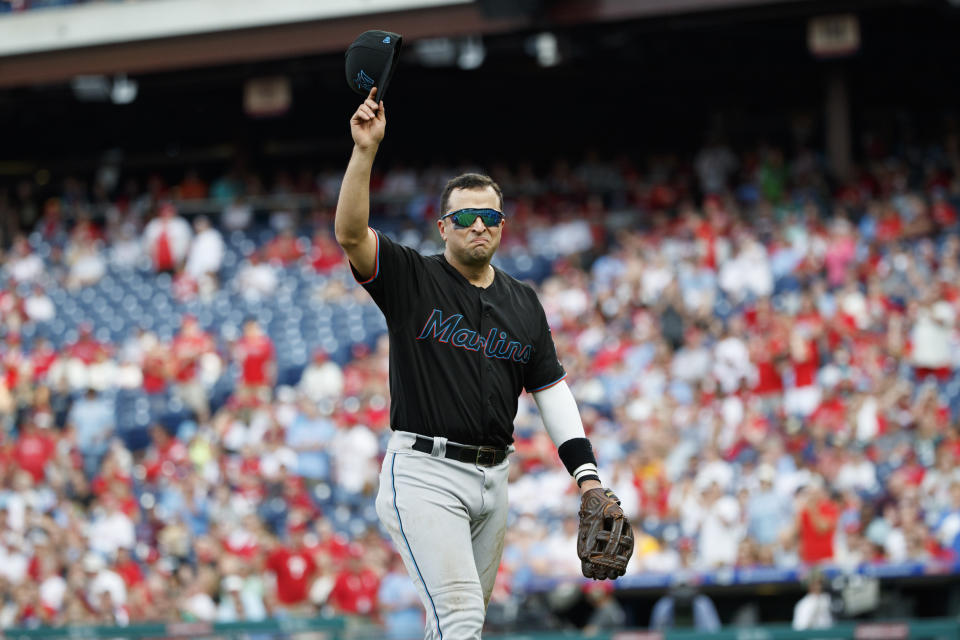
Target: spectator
[813, 609]
[108, 612]
[309, 435]
[948, 529]
[803, 397]
[400, 603]
[14, 560]
[817, 523]
[128, 568]
[195, 603]
[322, 380]
[190, 347]
[166, 239]
[840, 253]
[607, 613]
[294, 569]
[930, 337]
[731, 358]
[721, 530]
[100, 580]
[92, 419]
[766, 509]
[714, 165]
[284, 249]
[87, 265]
[255, 354]
[325, 253]
[111, 531]
[38, 306]
[355, 453]
[86, 348]
[856, 472]
[748, 273]
[164, 454]
[692, 362]
[257, 279]
[237, 215]
[34, 448]
[14, 362]
[683, 597]
[355, 586]
[24, 265]
[241, 594]
[42, 359]
[938, 482]
[206, 251]
[11, 310]
[556, 548]
[53, 587]
[232, 607]
[125, 250]
[192, 187]
[185, 287]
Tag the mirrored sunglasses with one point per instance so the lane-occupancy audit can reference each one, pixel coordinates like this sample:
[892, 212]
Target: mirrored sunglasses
[463, 218]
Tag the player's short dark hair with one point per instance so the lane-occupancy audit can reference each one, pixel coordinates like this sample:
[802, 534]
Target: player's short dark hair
[468, 181]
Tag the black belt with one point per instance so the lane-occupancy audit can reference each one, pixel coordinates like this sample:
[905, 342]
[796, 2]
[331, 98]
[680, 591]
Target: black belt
[483, 456]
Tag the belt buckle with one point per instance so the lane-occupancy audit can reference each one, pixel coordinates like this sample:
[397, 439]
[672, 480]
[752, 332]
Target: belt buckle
[484, 454]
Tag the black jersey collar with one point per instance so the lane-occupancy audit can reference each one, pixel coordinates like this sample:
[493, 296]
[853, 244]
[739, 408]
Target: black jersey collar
[462, 279]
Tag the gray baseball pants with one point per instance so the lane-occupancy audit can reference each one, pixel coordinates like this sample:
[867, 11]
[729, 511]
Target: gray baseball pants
[447, 520]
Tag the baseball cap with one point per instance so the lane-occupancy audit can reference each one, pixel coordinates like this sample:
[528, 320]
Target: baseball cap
[371, 60]
[93, 562]
[297, 526]
[233, 583]
[766, 472]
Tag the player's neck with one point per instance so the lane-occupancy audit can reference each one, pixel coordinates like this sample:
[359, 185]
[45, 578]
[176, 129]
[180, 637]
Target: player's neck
[478, 275]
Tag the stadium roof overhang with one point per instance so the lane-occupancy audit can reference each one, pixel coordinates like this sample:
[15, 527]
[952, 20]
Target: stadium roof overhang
[157, 35]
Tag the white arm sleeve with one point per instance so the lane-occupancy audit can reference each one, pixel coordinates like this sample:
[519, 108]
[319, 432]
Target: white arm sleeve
[558, 408]
[561, 417]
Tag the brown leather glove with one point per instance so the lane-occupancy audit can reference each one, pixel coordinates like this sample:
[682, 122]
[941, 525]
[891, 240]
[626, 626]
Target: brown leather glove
[605, 541]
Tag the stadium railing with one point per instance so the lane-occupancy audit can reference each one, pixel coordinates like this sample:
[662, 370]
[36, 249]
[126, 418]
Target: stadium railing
[343, 629]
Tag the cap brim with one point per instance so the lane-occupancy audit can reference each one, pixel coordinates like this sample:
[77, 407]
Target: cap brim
[390, 68]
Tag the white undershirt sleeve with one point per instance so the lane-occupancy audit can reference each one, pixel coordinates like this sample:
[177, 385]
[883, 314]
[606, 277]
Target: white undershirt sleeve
[561, 417]
[560, 414]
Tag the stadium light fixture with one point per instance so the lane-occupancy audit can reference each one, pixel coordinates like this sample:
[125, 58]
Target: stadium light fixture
[545, 48]
[435, 52]
[124, 90]
[472, 53]
[90, 88]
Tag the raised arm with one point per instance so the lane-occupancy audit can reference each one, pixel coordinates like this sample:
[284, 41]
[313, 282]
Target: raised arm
[367, 127]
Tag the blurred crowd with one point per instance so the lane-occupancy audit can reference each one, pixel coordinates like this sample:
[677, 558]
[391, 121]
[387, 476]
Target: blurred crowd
[765, 359]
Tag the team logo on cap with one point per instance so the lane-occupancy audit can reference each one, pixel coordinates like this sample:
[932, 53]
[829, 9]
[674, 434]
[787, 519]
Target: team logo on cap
[364, 81]
[386, 40]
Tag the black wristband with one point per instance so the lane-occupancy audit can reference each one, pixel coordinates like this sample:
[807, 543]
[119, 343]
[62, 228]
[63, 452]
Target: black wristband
[583, 479]
[576, 452]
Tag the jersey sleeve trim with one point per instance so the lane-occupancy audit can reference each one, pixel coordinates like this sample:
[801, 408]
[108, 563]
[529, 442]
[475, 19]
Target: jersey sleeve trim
[376, 268]
[549, 384]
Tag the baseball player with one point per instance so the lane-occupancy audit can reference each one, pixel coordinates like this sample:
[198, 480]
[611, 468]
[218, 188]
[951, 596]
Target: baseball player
[465, 340]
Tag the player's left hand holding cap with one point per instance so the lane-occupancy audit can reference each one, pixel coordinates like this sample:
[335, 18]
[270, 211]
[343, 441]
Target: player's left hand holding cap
[371, 61]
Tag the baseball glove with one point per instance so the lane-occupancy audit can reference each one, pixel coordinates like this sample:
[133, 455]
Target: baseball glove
[605, 541]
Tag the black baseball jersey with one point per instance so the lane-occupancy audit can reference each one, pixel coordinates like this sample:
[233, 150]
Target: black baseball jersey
[460, 355]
